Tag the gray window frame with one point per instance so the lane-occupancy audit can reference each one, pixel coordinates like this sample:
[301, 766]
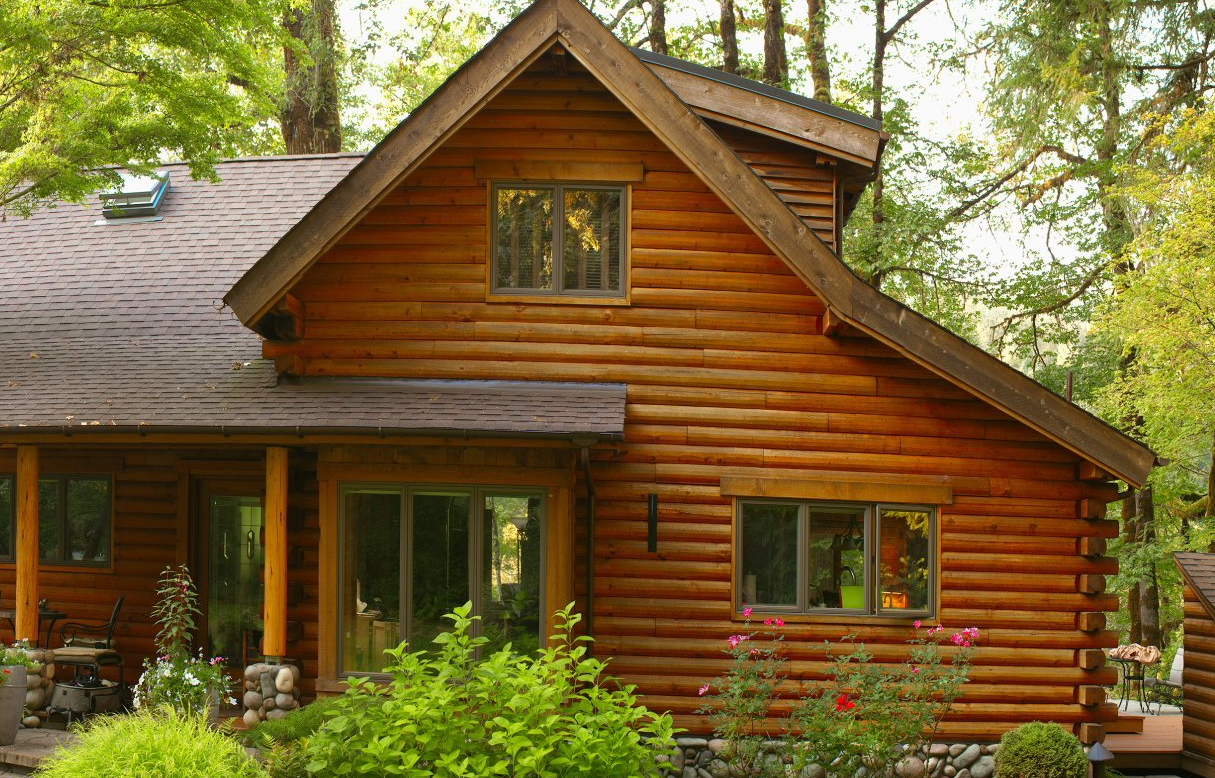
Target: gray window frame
[558, 188]
[872, 554]
[477, 540]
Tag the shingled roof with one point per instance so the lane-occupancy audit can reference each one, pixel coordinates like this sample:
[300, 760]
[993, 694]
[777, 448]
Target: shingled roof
[108, 326]
[1199, 573]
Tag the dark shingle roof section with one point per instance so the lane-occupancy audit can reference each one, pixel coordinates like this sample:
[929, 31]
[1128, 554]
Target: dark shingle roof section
[120, 327]
[1199, 572]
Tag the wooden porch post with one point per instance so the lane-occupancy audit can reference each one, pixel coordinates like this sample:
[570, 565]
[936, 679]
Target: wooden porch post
[275, 626]
[27, 544]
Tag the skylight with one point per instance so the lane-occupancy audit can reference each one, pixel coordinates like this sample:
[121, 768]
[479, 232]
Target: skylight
[139, 196]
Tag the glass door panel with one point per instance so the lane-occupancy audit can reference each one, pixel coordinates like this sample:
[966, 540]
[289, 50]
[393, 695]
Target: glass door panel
[371, 578]
[439, 557]
[233, 582]
[510, 571]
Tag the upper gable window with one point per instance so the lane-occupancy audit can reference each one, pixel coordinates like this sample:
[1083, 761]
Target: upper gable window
[559, 239]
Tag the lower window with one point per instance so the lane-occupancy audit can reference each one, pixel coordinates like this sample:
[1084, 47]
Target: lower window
[73, 519]
[410, 554]
[811, 557]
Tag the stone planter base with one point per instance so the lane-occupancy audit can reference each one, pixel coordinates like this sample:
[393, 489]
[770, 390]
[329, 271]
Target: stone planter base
[271, 691]
[698, 757]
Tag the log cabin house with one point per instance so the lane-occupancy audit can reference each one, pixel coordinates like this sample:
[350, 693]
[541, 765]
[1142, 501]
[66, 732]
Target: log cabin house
[575, 330]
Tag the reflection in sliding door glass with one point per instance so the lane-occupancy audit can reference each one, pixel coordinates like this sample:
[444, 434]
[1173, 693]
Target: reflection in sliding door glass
[371, 578]
[439, 560]
[510, 572]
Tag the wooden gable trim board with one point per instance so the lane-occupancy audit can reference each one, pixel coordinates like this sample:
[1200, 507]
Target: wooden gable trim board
[769, 116]
[695, 143]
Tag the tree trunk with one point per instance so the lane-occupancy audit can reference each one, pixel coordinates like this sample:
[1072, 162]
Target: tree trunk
[729, 37]
[658, 26]
[874, 276]
[310, 121]
[816, 49]
[776, 63]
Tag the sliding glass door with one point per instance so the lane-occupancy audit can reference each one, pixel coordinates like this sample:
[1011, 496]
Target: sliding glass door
[410, 554]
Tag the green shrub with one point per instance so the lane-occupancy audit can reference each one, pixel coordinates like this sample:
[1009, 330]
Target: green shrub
[549, 715]
[151, 744]
[296, 725]
[1038, 750]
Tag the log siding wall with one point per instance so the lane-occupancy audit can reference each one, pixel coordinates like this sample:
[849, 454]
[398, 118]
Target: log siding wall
[728, 373]
[1198, 680]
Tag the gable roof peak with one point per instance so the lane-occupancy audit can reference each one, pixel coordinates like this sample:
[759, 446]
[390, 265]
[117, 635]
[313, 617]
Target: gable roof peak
[661, 110]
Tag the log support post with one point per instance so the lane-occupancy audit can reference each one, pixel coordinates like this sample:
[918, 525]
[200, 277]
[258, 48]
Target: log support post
[275, 634]
[27, 545]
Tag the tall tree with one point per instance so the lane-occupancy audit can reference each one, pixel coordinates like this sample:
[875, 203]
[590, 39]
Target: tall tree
[776, 59]
[311, 117]
[1075, 87]
[729, 36]
[658, 26]
[816, 49]
[88, 87]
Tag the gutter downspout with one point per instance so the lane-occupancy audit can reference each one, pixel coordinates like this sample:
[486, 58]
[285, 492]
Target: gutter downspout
[590, 546]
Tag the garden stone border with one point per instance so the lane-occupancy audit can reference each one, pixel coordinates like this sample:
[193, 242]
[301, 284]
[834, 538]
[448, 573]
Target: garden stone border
[697, 757]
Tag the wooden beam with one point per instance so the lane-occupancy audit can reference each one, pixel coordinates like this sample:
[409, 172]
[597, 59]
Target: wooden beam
[1087, 471]
[1090, 584]
[275, 627]
[1090, 695]
[1090, 658]
[559, 564]
[1090, 733]
[327, 578]
[557, 170]
[27, 545]
[1091, 547]
[1090, 621]
[833, 489]
[1090, 509]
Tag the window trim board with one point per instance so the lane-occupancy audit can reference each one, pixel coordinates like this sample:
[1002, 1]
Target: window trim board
[839, 489]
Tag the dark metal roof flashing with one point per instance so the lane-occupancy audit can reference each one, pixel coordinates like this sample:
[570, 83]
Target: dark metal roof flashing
[827, 109]
[138, 199]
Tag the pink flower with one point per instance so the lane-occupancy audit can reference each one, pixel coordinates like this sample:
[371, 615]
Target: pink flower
[746, 613]
[915, 671]
[777, 623]
[702, 691]
[916, 623]
[734, 640]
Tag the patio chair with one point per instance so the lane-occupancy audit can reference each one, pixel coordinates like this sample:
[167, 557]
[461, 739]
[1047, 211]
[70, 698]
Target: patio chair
[80, 635]
[1168, 691]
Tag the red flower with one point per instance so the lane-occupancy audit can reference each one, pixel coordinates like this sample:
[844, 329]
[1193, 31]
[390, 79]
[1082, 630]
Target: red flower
[843, 704]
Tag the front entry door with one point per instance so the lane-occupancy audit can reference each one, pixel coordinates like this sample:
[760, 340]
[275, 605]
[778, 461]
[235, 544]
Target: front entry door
[229, 568]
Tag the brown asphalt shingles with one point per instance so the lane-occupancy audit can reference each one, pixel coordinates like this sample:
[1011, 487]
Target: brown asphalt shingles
[106, 325]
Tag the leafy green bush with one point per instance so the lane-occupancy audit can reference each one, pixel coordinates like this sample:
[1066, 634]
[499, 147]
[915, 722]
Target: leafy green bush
[1038, 750]
[549, 715]
[151, 744]
[296, 725]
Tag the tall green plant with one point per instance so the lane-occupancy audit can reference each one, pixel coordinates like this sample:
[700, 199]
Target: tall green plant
[550, 715]
[175, 612]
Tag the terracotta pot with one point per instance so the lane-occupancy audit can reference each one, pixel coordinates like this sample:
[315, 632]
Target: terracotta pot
[12, 703]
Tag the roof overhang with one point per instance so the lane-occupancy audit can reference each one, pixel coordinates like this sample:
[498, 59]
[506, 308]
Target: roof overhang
[1198, 570]
[688, 136]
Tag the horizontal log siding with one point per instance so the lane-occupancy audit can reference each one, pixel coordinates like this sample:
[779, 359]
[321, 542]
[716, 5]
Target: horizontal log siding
[794, 173]
[145, 525]
[1198, 679]
[728, 374]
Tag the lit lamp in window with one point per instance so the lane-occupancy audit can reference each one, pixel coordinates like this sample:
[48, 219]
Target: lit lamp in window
[852, 594]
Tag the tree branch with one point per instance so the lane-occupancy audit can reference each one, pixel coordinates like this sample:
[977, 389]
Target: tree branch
[889, 34]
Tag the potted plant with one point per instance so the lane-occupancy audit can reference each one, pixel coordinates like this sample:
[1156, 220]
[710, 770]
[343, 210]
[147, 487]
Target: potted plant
[177, 677]
[14, 663]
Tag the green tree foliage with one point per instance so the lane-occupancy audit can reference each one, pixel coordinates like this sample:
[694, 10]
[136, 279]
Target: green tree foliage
[87, 86]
